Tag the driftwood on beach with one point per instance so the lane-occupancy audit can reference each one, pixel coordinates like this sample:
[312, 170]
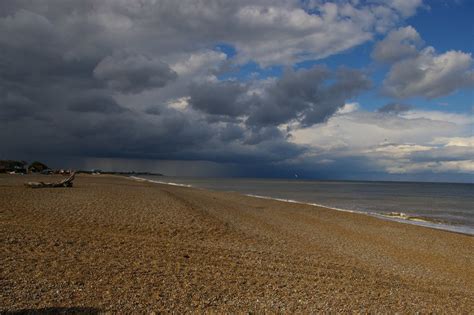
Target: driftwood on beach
[64, 183]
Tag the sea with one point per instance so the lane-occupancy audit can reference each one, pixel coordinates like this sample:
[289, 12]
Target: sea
[447, 206]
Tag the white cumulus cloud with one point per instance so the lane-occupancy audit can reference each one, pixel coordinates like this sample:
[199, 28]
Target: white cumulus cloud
[421, 72]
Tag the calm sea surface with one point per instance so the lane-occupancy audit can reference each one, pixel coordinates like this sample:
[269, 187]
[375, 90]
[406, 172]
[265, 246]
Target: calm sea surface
[440, 205]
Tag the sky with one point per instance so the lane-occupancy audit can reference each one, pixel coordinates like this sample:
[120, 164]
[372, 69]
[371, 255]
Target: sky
[346, 89]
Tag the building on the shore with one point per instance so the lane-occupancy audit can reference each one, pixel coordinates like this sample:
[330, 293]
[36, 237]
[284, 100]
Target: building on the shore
[13, 167]
[37, 167]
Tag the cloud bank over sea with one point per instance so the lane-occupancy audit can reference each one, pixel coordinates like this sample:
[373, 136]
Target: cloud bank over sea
[254, 88]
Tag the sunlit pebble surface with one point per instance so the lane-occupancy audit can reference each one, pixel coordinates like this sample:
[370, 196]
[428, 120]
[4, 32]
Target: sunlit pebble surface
[115, 244]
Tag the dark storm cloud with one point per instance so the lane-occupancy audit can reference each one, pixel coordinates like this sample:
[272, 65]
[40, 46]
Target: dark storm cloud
[231, 132]
[308, 96]
[154, 110]
[14, 107]
[257, 135]
[71, 85]
[296, 95]
[219, 98]
[293, 30]
[133, 73]
[394, 108]
[96, 103]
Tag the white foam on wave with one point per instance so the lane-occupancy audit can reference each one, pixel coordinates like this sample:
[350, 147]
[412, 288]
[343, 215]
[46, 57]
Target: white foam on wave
[402, 218]
[304, 203]
[463, 229]
[159, 182]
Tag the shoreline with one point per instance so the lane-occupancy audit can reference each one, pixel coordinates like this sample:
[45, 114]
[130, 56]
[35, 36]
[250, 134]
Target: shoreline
[114, 244]
[394, 217]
